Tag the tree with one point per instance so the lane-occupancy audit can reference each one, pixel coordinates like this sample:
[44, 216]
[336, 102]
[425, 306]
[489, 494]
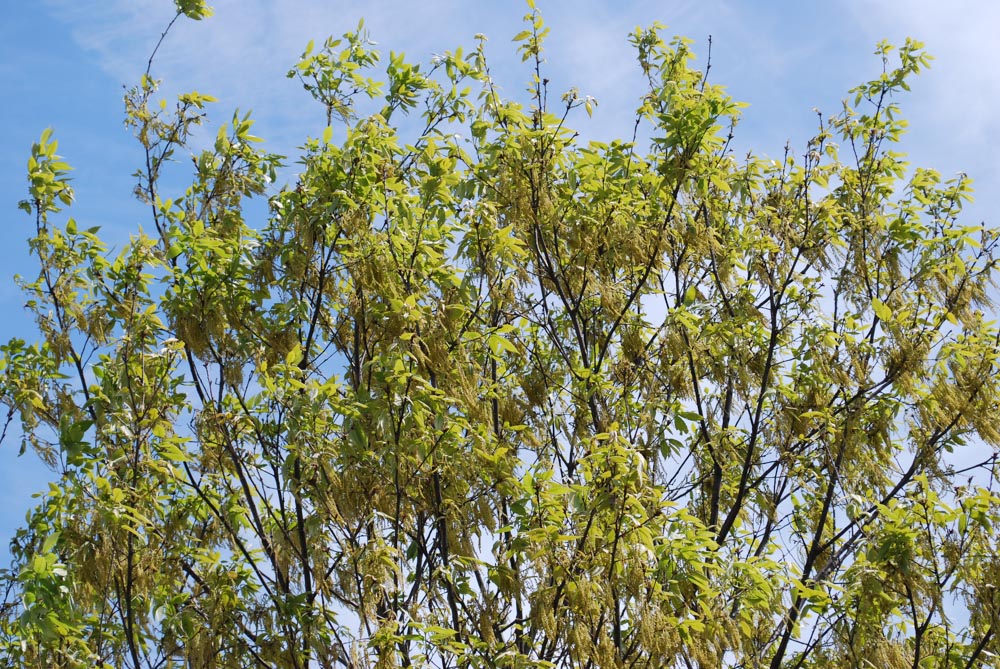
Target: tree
[501, 399]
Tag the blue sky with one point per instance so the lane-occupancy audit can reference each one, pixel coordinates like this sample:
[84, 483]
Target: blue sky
[63, 63]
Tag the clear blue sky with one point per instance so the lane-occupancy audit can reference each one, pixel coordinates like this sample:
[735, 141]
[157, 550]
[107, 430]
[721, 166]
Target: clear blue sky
[63, 63]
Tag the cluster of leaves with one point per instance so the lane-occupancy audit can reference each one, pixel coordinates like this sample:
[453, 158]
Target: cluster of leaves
[193, 9]
[499, 399]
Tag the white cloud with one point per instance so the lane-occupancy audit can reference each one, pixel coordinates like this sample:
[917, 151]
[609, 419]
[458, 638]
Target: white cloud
[241, 55]
[964, 80]
[955, 110]
[783, 63]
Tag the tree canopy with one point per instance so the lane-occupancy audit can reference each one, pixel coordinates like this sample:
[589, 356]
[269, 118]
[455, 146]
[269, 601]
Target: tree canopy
[474, 393]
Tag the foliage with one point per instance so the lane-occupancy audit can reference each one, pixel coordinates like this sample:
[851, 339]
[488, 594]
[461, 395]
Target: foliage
[193, 9]
[490, 397]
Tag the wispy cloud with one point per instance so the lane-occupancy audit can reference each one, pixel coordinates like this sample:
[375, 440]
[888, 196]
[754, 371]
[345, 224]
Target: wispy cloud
[955, 108]
[964, 84]
[782, 63]
[242, 54]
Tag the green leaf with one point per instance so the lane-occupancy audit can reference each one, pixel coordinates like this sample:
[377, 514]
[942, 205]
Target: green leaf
[883, 312]
[50, 542]
[173, 453]
[194, 9]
